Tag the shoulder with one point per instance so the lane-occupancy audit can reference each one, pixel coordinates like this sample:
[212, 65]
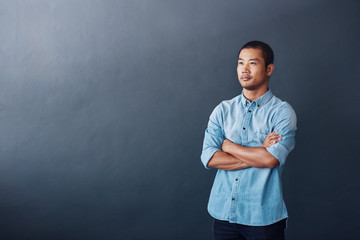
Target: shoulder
[284, 109]
[282, 106]
[225, 106]
[228, 104]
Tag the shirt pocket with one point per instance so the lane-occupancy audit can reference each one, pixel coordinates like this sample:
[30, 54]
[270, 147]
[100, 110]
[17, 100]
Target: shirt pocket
[261, 137]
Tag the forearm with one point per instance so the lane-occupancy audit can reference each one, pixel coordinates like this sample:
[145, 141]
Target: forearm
[225, 161]
[257, 157]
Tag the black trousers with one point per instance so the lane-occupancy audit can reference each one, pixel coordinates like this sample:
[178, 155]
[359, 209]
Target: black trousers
[232, 231]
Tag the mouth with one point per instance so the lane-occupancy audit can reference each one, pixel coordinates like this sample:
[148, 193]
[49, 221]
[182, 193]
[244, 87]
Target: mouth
[245, 78]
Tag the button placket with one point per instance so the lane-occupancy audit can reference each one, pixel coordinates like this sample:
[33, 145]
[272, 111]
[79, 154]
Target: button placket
[244, 136]
[246, 122]
[233, 201]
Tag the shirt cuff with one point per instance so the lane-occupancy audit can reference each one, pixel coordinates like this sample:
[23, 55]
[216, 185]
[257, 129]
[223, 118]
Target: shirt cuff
[279, 151]
[207, 154]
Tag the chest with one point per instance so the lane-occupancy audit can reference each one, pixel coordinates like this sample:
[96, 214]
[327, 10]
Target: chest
[248, 126]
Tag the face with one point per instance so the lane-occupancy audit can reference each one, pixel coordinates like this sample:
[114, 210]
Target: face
[251, 70]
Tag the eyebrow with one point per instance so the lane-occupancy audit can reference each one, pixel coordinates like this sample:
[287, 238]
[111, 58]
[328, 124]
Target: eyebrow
[251, 59]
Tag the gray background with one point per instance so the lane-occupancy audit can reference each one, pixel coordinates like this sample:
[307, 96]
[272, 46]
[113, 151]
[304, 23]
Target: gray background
[103, 107]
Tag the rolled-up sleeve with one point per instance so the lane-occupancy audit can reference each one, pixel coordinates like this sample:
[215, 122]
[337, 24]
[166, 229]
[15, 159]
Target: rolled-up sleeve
[286, 126]
[214, 136]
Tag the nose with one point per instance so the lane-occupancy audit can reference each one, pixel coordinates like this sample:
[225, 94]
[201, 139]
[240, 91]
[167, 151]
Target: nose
[245, 68]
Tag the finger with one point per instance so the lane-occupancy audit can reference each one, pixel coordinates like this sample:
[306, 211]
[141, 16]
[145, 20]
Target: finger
[272, 133]
[274, 137]
[271, 139]
[271, 142]
[268, 144]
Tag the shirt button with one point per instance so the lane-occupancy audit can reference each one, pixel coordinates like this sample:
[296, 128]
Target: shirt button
[233, 199]
[236, 179]
[244, 128]
[249, 110]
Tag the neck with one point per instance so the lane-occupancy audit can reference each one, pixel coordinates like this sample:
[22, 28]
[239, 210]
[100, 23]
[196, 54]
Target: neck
[251, 95]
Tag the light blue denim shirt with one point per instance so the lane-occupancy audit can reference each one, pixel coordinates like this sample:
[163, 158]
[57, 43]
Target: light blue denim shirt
[251, 196]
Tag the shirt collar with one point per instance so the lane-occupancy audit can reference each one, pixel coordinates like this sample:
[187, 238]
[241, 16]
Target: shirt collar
[259, 101]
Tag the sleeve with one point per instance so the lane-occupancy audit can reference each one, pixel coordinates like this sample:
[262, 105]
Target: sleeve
[286, 126]
[214, 136]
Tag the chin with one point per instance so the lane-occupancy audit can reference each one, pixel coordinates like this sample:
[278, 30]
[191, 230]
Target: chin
[250, 87]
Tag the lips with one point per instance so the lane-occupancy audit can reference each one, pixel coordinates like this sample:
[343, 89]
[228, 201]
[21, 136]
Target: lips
[245, 78]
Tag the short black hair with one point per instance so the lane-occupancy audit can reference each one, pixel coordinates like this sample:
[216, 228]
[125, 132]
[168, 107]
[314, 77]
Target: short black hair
[267, 52]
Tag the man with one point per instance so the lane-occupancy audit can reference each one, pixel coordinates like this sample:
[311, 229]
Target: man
[248, 139]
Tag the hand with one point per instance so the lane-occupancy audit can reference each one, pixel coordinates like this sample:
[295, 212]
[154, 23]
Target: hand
[226, 143]
[271, 139]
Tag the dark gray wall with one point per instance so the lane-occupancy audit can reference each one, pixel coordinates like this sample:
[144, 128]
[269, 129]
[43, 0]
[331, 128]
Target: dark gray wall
[103, 107]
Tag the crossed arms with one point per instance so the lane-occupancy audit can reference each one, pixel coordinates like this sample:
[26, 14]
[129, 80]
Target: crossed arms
[219, 152]
[234, 156]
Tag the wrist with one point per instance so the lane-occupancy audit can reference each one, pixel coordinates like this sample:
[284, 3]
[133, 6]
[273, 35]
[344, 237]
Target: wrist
[226, 145]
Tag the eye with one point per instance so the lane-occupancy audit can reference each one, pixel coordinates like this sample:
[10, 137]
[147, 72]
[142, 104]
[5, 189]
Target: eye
[253, 63]
[241, 63]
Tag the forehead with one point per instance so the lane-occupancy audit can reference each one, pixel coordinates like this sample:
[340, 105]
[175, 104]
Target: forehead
[251, 53]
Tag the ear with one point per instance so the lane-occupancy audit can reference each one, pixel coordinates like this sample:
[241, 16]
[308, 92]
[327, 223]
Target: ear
[269, 69]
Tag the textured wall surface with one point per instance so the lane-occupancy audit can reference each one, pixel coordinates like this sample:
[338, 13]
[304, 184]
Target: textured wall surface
[103, 107]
